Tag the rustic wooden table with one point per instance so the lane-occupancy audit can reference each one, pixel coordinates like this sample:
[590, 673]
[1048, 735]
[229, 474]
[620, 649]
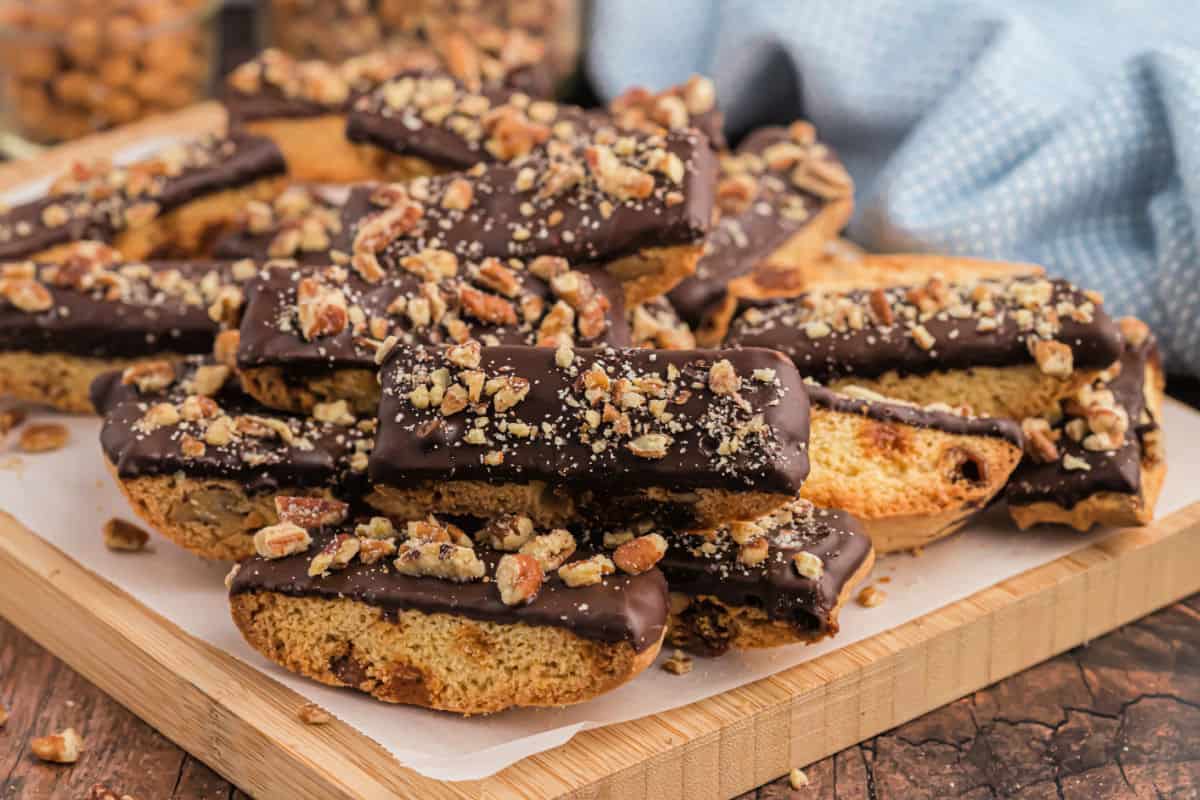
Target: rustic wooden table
[1118, 718]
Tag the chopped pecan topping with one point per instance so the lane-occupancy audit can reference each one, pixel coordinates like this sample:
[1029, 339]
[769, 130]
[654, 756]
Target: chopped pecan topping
[586, 572]
[551, 549]
[519, 577]
[641, 554]
[284, 539]
[439, 560]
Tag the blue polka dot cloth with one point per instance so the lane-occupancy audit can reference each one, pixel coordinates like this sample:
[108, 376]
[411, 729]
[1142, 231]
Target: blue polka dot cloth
[1066, 133]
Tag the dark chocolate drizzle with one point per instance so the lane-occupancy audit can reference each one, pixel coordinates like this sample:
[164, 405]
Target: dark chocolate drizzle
[914, 415]
[740, 242]
[1118, 471]
[959, 344]
[415, 446]
[272, 464]
[216, 163]
[774, 586]
[83, 322]
[622, 608]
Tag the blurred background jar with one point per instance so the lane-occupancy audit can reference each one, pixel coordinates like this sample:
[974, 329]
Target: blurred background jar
[333, 30]
[70, 67]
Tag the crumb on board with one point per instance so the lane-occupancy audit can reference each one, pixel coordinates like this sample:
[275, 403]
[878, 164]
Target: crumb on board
[797, 778]
[871, 596]
[680, 663]
[313, 714]
[124, 537]
[43, 438]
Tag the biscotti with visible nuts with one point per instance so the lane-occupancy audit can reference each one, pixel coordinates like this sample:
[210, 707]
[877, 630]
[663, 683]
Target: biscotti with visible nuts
[425, 123]
[778, 580]
[781, 197]
[1010, 348]
[421, 614]
[910, 474]
[692, 437]
[168, 205]
[1102, 461]
[316, 335]
[63, 324]
[302, 105]
[202, 463]
[842, 267]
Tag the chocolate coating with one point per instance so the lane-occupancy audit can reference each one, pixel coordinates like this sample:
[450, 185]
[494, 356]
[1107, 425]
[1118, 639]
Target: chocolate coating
[622, 608]
[97, 209]
[144, 321]
[270, 334]
[1118, 471]
[774, 586]
[259, 464]
[740, 241]
[714, 441]
[916, 416]
[582, 234]
[874, 349]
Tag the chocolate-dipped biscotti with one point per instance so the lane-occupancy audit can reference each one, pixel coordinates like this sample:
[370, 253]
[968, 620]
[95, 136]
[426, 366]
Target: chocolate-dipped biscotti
[1101, 461]
[203, 465]
[638, 206]
[842, 267]
[169, 205]
[302, 223]
[302, 105]
[62, 324]
[694, 438]
[312, 335]
[428, 123]
[911, 474]
[782, 196]
[998, 348]
[779, 580]
[423, 614]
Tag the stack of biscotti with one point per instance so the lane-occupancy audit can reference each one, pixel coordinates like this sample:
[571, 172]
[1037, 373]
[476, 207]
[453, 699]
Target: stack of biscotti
[930, 375]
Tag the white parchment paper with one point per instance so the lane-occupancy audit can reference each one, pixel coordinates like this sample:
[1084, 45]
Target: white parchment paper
[65, 497]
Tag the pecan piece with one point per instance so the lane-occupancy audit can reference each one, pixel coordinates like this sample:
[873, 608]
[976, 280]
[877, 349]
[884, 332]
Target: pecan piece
[310, 512]
[519, 577]
[641, 554]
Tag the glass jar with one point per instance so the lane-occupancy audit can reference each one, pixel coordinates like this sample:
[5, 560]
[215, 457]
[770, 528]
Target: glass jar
[69, 67]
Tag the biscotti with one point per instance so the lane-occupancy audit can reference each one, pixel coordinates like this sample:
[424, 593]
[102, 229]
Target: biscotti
[302, 105]
[62, 324]
[422, 614]
[302, 223]
[998, 348]
[781, 197]
[424, 124]
[169, 205]
[690, 437]
[312, 335]
[841, 267]
[910, 474]
[779, 580]
[202, 464]
[1102, 461]
[642, 215]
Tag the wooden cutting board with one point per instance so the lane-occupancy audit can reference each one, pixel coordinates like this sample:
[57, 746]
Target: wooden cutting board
[243, 724]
